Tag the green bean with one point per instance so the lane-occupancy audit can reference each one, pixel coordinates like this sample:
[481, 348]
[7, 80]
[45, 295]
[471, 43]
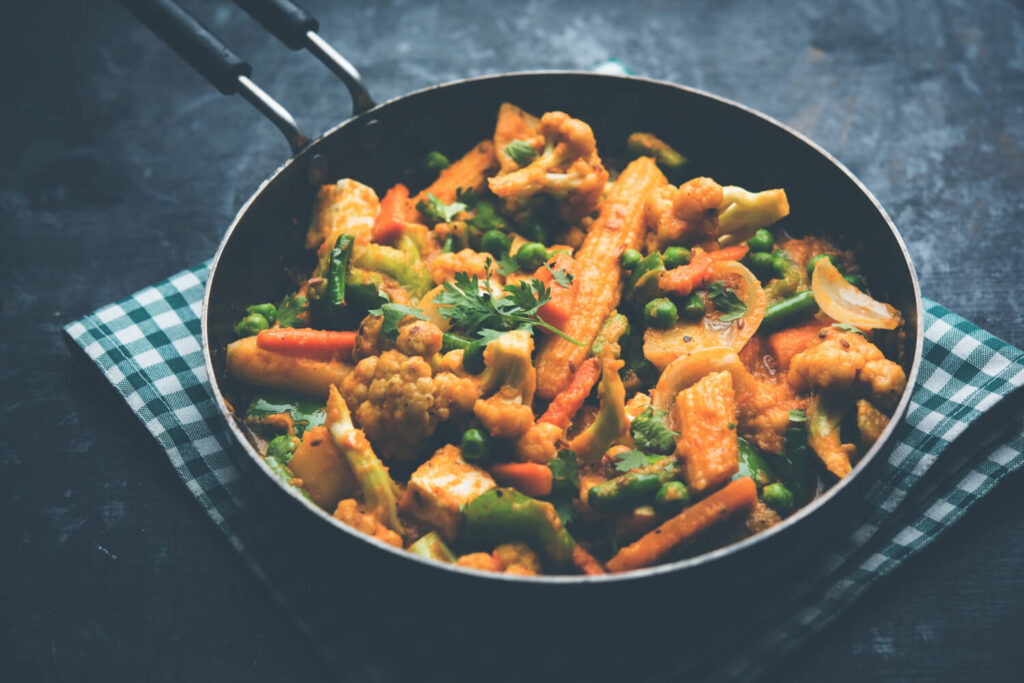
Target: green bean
[790, 310]
[473, 358]
[451, 341]
[672, 497]
[633, 488]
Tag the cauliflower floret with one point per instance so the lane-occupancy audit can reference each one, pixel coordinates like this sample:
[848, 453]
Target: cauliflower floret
[415, 338]
[517, 558]
[685, 215]
[763, 413]
[511, 379]
[569, 169]
[444, 266]
[352, 513]
[485, 562]
[539, 443]
[399, 401]
[840, 360]
[871, 422]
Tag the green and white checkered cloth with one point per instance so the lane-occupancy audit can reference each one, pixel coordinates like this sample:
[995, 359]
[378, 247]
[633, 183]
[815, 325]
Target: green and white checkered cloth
[148, 347]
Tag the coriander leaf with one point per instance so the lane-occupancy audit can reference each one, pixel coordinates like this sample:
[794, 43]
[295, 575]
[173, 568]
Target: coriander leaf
[631, 460]
[293, 311]
[393, 314]
[847, 327]
[561, 277]
[436, 210]
[476, 310]
[726, 302]
[521, 152]
[565, 511]
[303, 412]
[565, 476]
[797, 416]
[485, 218]
[650, 433]
[507, 264]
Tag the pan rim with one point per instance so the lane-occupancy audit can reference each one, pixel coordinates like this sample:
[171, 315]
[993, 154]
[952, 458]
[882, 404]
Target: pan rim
[658, 570]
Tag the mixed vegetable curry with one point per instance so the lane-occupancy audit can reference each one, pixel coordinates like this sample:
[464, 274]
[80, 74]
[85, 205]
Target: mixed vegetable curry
[539, 365]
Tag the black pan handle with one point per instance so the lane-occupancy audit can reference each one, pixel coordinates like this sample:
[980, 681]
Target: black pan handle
[213, 60]
[297, 29]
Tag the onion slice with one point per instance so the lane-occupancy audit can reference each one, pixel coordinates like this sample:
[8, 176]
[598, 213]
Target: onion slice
[687, 370]
[661, 347]
[841, 301]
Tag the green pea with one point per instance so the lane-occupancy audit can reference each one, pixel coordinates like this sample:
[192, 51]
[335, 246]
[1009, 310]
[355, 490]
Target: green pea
[781, 263]
[531, 256]
[630, 259]
[660, 313]
[818, 257]
[694, 308]
[496, 243]
[435, 162]
[251, 324]
[676, 256]
[646, 371]
[534, 231]
[268, 311]
[473, 357]
[282, 447]
[762, 264]
[762, 241]
[778, 498]
[855, 280]
[672, 497]
[474, 445]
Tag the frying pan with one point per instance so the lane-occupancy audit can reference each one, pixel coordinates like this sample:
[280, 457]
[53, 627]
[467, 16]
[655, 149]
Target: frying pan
[728, 141]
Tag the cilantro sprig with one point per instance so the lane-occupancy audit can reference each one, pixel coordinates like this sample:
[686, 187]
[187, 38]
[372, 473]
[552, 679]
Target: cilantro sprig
[475, 309]
[437, 211]
[847, 327]
[631, 460]
[392, 314]
[726, 302]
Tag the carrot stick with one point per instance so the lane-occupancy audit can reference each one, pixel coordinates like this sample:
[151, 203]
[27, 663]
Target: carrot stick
[395, 212]
[684, 279]
[733, 253]
[530, 478]
[787, 343]
[468, 173]
[569, 401]
[558, 309]
[307, 343]
[734, 498]
[585, 562]
[618, 227]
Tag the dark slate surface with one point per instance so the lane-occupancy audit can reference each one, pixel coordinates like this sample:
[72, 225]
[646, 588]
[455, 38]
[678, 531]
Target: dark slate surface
[122, 167]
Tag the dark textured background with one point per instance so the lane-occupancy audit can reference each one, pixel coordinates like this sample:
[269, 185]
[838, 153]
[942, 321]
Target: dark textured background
[121, 166]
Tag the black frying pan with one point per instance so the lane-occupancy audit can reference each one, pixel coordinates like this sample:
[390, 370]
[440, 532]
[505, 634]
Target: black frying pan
[728, 141]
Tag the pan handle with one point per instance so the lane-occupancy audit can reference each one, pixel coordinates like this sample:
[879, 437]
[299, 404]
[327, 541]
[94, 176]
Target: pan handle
[213, 60]
[297, 29]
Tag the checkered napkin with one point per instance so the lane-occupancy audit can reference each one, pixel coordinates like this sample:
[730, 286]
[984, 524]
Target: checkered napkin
[148, 347]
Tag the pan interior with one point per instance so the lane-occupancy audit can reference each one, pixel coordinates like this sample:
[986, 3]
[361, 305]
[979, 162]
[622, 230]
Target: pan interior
[262, 255]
